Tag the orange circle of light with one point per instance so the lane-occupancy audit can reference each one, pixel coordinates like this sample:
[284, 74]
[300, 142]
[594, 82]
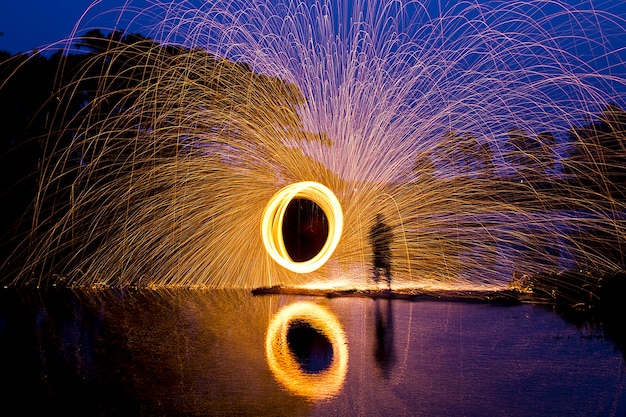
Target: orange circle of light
[274, 214]
[284, 366]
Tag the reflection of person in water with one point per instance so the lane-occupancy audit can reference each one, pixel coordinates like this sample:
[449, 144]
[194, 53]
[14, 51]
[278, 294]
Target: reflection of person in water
[380, 238]
[383, 351]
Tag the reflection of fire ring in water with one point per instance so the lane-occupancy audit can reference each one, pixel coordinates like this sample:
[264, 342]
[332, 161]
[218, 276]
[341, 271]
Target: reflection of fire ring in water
[284, 365]
[272, 224]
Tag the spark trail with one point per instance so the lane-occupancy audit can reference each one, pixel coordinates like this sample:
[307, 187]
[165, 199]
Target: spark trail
[449, 119]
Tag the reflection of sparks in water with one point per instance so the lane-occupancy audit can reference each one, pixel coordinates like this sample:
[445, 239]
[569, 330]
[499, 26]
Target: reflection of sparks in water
[444, 119]
[284, 365]
[272, 224]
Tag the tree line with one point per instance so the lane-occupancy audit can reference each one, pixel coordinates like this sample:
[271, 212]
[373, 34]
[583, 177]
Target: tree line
[584, 175]
[43, 103]
[52, 109]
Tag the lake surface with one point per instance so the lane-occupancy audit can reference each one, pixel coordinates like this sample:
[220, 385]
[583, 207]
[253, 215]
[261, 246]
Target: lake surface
[219, 352]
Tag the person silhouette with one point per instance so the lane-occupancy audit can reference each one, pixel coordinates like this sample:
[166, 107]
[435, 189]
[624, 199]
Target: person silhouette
[380, 238]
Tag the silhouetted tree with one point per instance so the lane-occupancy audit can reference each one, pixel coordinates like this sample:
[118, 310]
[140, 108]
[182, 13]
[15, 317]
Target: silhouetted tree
[26, 85]
[453, 154]
[597, 160]
[53, 109]
[425, 168]
[531, 156]
[596, 175]
[518, 154]
[545, 154]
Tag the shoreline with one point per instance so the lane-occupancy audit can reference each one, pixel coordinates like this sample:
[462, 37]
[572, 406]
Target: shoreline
[507, 297]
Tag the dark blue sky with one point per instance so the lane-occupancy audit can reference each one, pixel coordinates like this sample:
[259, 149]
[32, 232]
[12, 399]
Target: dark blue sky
[30, 24]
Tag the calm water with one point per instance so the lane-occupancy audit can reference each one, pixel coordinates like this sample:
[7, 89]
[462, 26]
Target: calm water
[196, 353]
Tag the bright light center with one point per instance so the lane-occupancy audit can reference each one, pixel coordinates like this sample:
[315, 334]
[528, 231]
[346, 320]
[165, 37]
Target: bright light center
[274, 215]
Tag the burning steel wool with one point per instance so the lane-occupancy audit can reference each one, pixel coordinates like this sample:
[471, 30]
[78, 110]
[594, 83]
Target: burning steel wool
[462, 124]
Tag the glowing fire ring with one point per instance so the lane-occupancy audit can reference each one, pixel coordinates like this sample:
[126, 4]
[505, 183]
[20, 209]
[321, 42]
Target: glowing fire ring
[285, 367]
[274, 214]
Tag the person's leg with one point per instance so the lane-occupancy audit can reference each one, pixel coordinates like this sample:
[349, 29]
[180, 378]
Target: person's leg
[388, 275]
[376, 274]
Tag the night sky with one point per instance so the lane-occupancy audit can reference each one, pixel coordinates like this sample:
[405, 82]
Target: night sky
[33, 24]
[30, 24]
